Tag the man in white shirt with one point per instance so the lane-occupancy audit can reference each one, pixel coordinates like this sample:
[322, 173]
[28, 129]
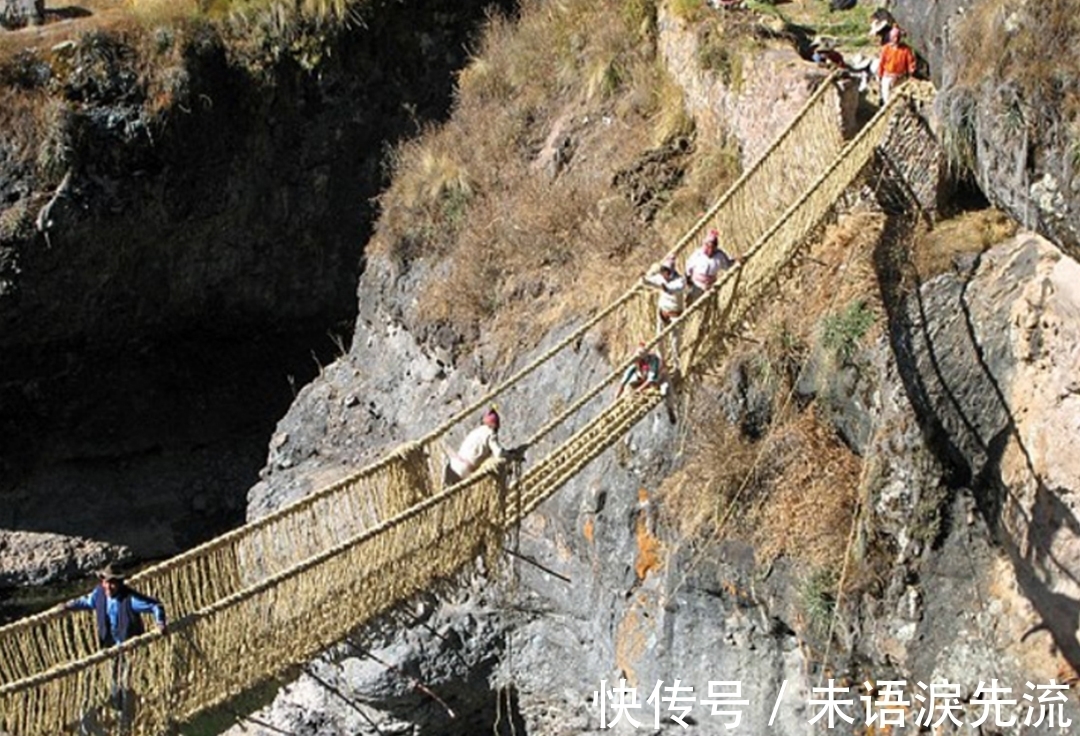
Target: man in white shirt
[705, 264]
[669, 306]
[479, 445]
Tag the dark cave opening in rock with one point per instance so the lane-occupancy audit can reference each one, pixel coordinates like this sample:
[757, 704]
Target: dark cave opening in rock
[150, 446]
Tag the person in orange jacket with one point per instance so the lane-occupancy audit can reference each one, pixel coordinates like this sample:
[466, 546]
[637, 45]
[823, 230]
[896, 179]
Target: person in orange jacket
[897, 63]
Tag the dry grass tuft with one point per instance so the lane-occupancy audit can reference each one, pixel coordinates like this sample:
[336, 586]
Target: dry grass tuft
[640, 17]
[1035, 56]
[790, 494]
[154, 13]
[440, 180]
[937, 250]
[571, 102]
[721, 469]
[690, 11]
[807, 513]
[21, 116]
[666, 107]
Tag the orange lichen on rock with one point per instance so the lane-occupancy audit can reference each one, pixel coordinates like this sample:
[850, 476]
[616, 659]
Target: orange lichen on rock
[631, 639]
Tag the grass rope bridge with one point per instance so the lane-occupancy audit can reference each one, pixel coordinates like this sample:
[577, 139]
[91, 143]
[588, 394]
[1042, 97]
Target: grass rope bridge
[280, 589]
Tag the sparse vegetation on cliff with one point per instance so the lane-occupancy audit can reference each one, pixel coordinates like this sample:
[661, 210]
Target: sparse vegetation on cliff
[138, 55]
[523, 195]
[1031, 80]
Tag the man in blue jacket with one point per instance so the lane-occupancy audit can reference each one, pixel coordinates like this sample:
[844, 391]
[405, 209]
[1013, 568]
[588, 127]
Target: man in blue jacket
[117, 608]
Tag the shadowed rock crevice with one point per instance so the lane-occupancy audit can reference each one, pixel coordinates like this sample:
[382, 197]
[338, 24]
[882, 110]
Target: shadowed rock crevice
[200, 266]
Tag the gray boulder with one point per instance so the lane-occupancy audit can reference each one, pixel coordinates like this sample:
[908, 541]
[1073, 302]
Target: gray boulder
[19, 13]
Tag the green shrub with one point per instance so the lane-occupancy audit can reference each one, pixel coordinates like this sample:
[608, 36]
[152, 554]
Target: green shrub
[842, 332]
[640, 17]
[817, 594]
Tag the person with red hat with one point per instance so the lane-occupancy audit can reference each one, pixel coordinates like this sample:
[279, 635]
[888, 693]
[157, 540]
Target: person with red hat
[705, 264]
[647, 371]
[479, 445]
[669, 306]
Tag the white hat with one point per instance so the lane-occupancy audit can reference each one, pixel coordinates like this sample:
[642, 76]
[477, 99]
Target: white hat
[877, 25]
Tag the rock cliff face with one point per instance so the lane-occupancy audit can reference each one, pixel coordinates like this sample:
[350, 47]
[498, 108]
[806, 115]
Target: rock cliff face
[1004, 121]
[200, 248]
[997, 359]
[973, 411]
[973, 399]
[599, 588]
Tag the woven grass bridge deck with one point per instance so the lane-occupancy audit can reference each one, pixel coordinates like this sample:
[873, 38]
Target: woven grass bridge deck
[277, 591]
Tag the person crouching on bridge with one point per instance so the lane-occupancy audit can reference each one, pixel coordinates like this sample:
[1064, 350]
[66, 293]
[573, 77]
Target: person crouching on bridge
[479, 445]
[117, 608]
[705, 264]
[647, 372]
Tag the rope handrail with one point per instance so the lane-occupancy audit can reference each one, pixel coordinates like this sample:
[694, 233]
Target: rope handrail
[20, 656]
[735, 293]
[483, 483]
[856, 153]
[747, 175]
[52, 626]
[610, 378]
[810, 104]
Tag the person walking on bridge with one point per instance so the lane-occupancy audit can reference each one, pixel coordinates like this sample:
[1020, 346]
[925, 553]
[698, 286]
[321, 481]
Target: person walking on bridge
[897, 63]
[117, 608]
[669, 307]
[479, 445]
[705, 264]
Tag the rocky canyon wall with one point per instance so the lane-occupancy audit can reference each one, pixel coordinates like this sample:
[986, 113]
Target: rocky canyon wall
[180, 241]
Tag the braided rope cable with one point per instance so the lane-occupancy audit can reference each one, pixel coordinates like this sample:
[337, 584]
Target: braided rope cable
[455, 521]
[813, 103]
[193, 579]
[751, 173]
[858, 153]
[379, 545]
[587, 446]
[206, 573]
